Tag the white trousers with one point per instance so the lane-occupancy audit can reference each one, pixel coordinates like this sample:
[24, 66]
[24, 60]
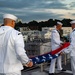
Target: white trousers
[52, 64]
[73, 64]
[14, 73]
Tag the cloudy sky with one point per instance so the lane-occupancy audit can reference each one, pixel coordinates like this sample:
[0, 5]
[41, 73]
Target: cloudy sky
[39, 10]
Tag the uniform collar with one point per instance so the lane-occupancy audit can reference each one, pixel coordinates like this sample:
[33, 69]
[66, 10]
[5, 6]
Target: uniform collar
[56, 30]
[6, 27]
[73, 29]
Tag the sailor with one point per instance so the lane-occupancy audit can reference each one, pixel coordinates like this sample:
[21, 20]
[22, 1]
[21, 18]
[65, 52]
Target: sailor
[71, 48]
[56, 43]
[12, 53]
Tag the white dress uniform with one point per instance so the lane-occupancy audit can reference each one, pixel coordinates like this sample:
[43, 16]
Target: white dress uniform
[71, 50]
[55, 43]
[12, 53]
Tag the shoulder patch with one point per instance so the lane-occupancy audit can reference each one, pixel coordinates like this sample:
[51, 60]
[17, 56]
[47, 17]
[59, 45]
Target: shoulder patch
[19, 33]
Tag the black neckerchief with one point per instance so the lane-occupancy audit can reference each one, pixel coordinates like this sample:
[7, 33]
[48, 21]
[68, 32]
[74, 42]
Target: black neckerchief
[73, 30]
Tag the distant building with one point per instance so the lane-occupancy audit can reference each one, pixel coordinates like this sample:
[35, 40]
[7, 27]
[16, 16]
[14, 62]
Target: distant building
[22, 29]
[44, 34]
[66, 30]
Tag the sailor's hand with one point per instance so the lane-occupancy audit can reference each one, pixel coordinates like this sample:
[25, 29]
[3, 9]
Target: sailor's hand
[61, 53]
[29, 64]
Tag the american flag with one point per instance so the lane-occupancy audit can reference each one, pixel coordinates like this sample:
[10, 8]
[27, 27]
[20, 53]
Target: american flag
[49, 56]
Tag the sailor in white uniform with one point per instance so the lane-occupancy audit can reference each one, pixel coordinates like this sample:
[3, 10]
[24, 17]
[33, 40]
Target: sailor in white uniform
[56, 43]
[12, 53]
[71, 48]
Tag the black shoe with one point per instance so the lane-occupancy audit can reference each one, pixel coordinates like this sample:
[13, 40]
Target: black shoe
[51, 73]
[63, 70]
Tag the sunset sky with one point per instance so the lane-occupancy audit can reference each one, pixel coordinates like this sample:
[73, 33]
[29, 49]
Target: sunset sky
[39, 10]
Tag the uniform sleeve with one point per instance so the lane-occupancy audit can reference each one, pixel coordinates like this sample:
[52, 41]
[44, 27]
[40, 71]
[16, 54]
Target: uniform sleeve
[68, 49]
[55, 38]
[19, 47]
[72, 44]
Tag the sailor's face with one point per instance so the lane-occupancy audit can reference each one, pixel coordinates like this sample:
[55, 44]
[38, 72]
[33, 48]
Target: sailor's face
[73, 25]
[13, 23]
[59, 27]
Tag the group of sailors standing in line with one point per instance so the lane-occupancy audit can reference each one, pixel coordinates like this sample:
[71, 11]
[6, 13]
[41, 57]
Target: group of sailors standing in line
[56, 43]
[13, 55]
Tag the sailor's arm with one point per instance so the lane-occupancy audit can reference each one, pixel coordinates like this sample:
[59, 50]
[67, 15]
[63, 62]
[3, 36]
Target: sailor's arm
[55, 38]
[72, 44]
[21, 53]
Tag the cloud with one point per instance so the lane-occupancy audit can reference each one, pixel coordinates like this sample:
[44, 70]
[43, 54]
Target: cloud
[32, 4]
[15, 4]
[28, 10]
[39, 16]
[73, 14]
[72, 5]
[53, 4]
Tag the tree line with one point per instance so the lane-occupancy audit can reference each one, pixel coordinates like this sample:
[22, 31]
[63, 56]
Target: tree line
[38, 25]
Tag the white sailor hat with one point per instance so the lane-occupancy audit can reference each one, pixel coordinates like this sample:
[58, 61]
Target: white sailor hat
[59, 23]
[10, 16]
[72, 22]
